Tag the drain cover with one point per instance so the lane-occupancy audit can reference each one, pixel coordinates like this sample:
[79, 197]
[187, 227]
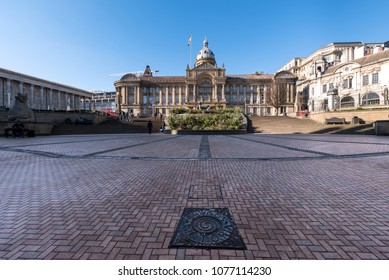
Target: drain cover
[211, 228]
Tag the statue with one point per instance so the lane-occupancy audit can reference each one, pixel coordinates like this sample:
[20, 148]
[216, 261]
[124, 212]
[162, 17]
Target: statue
[20, 109]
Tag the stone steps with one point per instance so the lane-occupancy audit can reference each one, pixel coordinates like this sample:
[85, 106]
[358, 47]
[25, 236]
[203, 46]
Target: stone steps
[289, 125]
[108, 127]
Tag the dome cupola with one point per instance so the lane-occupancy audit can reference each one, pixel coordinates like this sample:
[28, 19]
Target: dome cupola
[205, 55]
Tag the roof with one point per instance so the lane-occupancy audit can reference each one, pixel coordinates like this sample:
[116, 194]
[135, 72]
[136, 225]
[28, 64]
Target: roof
[373, 58]
[181, 79]
[251, 76]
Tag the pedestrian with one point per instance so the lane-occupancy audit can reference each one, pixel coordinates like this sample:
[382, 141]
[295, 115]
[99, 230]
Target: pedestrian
[150, 126]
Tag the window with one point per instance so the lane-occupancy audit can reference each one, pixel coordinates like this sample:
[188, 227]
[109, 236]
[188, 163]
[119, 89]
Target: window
[345, 83]
[331, 86]
[365, 80]
[374, 78]
[324, 88]
[347, 101]
[370, 99]
[348, 83]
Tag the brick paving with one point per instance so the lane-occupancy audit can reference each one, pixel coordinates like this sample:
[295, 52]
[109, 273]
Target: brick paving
[121, 196]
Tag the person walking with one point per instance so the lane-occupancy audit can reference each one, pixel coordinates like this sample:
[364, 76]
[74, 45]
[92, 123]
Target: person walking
[150, 126]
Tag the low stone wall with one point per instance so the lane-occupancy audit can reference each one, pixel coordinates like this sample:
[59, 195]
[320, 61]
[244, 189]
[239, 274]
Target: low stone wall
[59, 117]
[369, 116]
[207, 132]
[39, 128]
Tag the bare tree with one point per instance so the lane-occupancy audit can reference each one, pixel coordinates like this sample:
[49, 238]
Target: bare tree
[278, 94]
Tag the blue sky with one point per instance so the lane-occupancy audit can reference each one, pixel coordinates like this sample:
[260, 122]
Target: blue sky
[79, 43]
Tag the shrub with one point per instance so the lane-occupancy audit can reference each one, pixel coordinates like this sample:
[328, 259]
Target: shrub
[213, 119]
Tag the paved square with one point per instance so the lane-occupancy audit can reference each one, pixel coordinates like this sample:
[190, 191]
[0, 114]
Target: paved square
[121, 196]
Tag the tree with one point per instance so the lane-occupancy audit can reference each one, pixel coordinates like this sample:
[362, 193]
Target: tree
[278, 94]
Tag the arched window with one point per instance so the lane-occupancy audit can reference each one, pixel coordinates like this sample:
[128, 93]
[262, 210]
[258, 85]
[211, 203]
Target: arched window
[205, 89]
[347, 102]
[371, 98]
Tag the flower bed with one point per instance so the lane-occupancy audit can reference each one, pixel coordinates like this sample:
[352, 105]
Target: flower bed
[210, 119]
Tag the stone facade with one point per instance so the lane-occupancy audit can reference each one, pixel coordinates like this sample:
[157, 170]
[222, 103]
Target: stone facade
[343, 76]
[42, 94]
[205, 84]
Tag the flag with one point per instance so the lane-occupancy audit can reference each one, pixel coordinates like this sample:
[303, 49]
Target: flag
[190, 40]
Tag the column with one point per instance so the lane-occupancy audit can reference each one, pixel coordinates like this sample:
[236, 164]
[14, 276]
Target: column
[180, 95]
[8, 92]
[194, 93]
[123, 95]
[126, 95]
[160, 96]
[167, 95]
[186, 93]
[258, 95]
[59, 100]
[41, 92]
[154, 96]
[74, 101]
[50, 107]
[79, 102]
[138, 95]
[31, 97]
[67, 102]
[21, 87]
[244, 94]
[214, 93]
[251, 94]
[264, 94]
[223, 92]
[174, 95]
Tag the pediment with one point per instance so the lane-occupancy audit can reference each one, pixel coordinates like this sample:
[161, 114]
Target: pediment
[205, 66]
[284, 75]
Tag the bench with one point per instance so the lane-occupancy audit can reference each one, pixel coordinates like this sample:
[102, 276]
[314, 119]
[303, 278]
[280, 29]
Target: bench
[21, 131]
[335, 120]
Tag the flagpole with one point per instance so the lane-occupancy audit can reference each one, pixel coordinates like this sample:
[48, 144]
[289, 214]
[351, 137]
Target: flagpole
[190, 54]
[190, 50]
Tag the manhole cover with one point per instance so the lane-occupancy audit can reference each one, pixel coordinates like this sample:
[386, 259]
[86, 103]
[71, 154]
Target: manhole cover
[207, 228]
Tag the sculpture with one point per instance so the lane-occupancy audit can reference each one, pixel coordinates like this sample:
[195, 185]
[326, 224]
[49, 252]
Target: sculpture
[20, 110]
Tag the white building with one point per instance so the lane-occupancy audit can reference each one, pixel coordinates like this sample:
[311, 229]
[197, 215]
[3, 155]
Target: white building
[343, 76]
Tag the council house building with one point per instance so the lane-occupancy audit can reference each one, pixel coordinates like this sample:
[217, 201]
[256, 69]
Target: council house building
[205, 84]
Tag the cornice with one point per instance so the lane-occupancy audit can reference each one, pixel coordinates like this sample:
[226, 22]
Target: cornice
[12, 75]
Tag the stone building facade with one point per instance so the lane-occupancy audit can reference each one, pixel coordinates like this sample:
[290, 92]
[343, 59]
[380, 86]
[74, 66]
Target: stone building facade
[42, 94]
[205, 84]
[343, 76]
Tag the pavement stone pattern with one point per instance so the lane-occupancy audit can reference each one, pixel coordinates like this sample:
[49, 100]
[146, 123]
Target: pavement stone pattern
[121, 196]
